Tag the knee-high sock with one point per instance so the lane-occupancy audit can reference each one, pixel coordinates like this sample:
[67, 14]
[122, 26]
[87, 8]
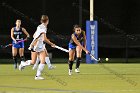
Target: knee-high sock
[37, 61]
[78, 61]
[40, 69]
[27, 63]
[15, 59]
[48, 61]
[22, 58]
[70, 64]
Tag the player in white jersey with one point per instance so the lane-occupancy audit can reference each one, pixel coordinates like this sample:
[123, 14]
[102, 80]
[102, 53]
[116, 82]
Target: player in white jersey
[47, 60]
[38, 49]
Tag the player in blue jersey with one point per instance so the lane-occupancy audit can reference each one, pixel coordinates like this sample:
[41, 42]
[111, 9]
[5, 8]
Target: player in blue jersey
[77, 44]
[17, 34]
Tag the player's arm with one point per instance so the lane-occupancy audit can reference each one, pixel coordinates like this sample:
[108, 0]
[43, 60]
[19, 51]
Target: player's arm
[34, 35]
[12, 34]
[84, 39]
[33, 43]
[48, 41]
[78, 43]
[26, 33]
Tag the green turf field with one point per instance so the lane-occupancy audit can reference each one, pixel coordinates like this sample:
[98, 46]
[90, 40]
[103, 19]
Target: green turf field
[95, 78]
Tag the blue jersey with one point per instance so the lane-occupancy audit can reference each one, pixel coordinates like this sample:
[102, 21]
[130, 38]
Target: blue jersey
[18, 35]
[80, 38]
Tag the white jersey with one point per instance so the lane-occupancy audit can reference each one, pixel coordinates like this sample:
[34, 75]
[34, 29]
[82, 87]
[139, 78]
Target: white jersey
[40, 45]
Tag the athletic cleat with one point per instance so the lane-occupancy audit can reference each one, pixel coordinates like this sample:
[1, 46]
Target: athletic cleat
[77, 70]
[39, 78]
[52, 67]
[21, 67]
[70, 72]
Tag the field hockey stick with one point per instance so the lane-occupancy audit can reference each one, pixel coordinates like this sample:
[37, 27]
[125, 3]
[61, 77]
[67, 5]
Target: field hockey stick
[8, 45]
[5, 46]
[61, 48]
[21, 41]
[65, 50]
[93, 57]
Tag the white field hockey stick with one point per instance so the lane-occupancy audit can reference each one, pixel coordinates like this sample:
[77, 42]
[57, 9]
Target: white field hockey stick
[65, 50]
[61, 48]
[94, 57]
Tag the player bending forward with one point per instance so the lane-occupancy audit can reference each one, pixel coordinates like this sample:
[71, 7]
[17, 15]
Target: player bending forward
[76, 45]
[38, 48]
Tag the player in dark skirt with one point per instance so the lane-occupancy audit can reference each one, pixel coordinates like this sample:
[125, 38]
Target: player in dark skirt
[17, 34]
[77, 44]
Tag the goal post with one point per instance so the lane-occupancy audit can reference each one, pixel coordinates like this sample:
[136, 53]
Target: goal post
[92, 35]
[91, 10]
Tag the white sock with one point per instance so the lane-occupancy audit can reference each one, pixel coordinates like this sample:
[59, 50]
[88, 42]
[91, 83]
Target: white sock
[37, 62]
[47, 60]
[27, 63]
[40, 69]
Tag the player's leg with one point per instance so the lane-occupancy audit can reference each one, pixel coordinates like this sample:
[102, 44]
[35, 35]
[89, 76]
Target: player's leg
[47, 60]
[36, 63]
[78, 58]
[29, 62]
[71, 59]
[40, 68]
[14, 54]
[21, 53]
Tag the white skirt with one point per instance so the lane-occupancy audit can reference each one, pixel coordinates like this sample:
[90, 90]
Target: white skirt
[39, 48]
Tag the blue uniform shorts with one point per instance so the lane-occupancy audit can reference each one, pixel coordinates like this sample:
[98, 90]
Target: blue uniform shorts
[18, 45]
[72, 46]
